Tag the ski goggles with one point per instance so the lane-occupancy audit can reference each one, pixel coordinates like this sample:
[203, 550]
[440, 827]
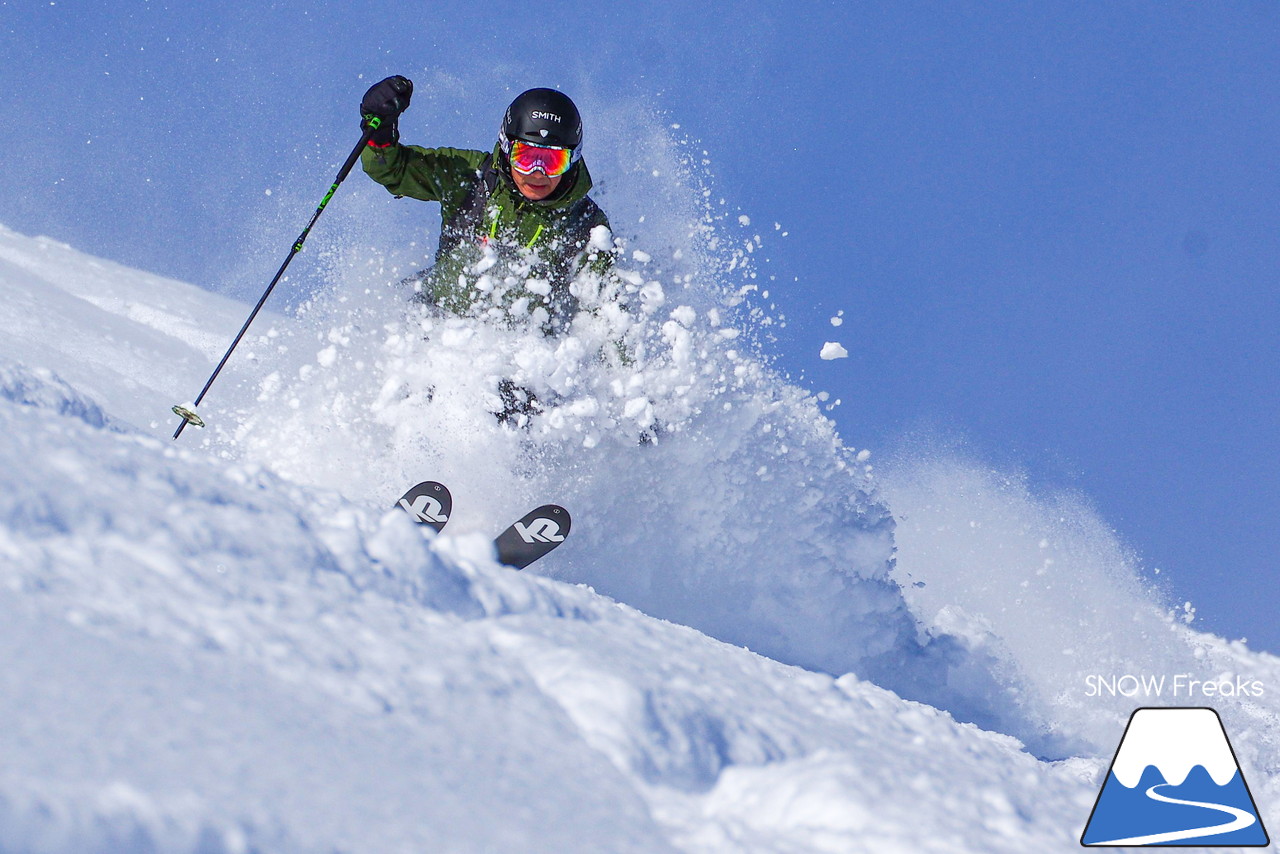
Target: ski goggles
[527, 158]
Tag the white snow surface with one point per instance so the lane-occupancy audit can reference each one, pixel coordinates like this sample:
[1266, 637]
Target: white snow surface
[231, 644]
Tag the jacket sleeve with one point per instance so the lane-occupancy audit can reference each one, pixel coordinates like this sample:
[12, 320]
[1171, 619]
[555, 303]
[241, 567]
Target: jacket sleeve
[429, 174]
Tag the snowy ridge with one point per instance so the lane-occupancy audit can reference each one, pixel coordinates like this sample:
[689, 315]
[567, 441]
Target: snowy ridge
[230, 644]
[130, 336]
[44, 389]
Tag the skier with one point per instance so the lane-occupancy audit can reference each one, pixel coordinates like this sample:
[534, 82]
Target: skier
[517, 225]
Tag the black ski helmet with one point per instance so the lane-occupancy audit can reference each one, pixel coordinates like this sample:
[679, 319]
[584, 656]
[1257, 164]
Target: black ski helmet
[543, 117]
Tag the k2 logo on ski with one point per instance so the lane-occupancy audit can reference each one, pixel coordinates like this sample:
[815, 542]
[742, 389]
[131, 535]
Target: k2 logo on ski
[540, 531]
[1175, 781]
[425, 509]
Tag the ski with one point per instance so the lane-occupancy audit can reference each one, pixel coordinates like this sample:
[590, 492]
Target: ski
[531, 537]
[534, 536]
[429, 503]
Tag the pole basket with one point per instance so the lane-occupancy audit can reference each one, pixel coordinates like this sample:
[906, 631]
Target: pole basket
[188, 414]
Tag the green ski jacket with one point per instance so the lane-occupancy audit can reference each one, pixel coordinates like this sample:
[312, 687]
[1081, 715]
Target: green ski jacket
[497, 248]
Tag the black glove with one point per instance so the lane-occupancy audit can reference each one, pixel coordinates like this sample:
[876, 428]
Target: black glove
[385, 101]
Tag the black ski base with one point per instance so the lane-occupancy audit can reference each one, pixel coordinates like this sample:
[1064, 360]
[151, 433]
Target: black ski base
[534, 536]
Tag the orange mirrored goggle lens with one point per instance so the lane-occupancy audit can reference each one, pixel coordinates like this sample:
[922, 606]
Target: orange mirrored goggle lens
[527, 159]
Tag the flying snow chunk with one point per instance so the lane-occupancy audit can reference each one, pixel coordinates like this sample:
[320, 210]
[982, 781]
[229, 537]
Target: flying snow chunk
[601, 238]
[831, 350]
[684, 315]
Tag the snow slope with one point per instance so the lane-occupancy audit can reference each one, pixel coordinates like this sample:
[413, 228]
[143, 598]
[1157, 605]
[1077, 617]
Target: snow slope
[228, 644]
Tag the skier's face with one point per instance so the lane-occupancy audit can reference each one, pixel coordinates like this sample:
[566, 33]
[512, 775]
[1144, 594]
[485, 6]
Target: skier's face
[536, 186]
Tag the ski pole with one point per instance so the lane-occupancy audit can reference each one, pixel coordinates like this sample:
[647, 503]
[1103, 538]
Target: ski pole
[188, 413]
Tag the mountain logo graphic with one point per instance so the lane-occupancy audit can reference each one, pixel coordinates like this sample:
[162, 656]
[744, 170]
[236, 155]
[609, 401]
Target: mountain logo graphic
[1175, 781]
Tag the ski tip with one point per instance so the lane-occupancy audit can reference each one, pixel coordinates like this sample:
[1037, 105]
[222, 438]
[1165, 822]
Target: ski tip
[555, 511]
[536, 534]
[428, 503]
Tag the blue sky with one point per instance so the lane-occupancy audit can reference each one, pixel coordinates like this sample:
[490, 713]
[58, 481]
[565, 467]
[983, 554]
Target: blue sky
[1052, 227]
